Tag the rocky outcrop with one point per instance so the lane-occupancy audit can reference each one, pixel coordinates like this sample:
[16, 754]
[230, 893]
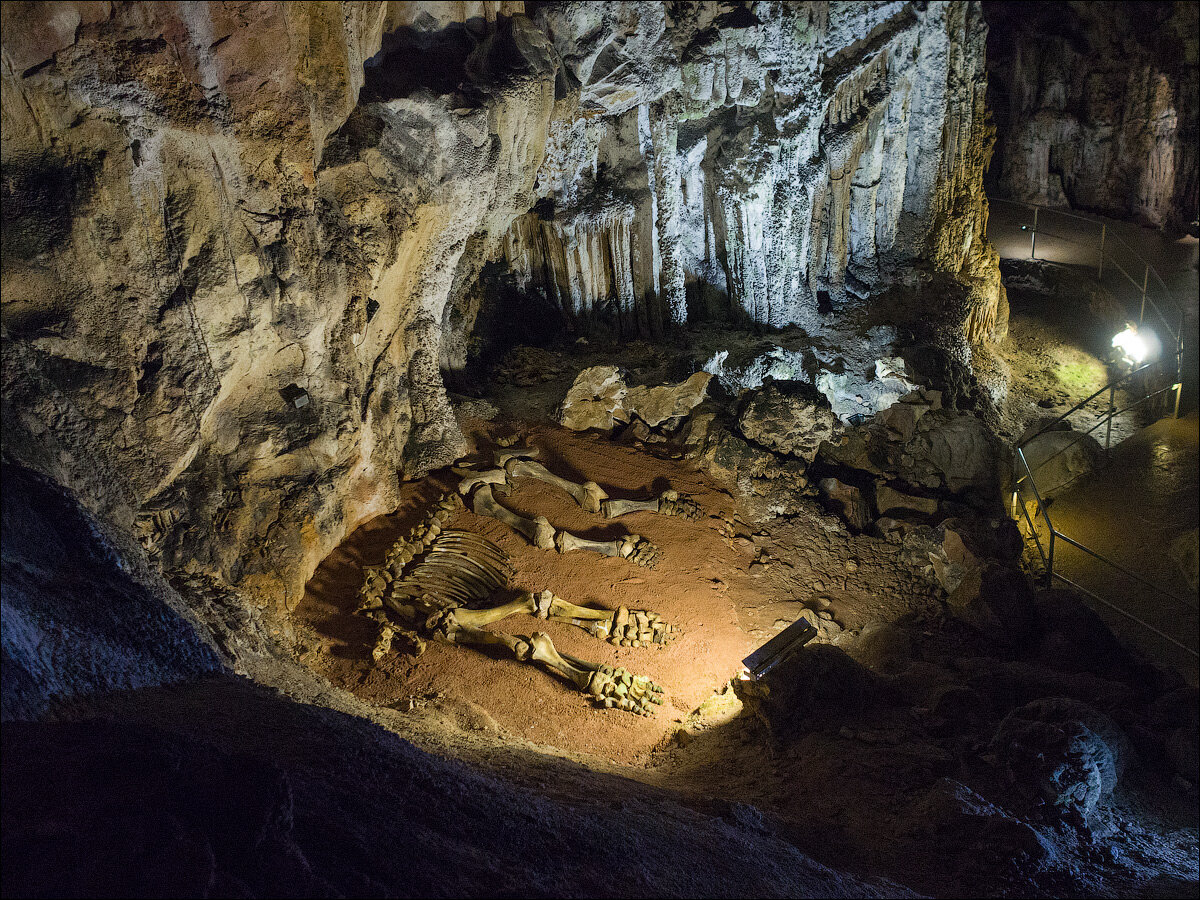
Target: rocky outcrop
[1096, 106]
[768, 156]
[241, 242]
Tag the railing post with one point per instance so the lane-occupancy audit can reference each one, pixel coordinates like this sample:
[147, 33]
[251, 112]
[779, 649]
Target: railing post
[1103, 231]
[1145, 284]
[1050, 560]
[1112, 396]
[1033, 236]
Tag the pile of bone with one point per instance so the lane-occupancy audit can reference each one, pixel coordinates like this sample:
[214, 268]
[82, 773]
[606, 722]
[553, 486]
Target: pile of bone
[620, 689]
[637, 627]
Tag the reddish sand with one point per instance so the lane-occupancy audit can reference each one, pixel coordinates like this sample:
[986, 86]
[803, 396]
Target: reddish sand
[698, 584]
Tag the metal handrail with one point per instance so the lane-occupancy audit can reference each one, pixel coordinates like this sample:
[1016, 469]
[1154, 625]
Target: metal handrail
[1047, 556]
[1176, 335]
[1110, 387]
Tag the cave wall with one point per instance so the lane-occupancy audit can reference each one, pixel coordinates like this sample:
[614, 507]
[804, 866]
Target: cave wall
[1097, 105]
[209, 208]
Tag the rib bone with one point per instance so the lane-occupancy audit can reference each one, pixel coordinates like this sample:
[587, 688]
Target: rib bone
[587, 495]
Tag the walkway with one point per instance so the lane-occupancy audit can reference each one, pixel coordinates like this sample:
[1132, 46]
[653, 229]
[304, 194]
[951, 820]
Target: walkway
[1073, 238]
[1146, 496]
[1130, 512]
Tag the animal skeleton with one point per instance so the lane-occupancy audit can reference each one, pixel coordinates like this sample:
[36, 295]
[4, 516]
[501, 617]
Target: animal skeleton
[429, 577]
[517, 463]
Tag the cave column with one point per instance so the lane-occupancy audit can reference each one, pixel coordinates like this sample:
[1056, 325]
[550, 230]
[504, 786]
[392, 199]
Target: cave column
[664, 135]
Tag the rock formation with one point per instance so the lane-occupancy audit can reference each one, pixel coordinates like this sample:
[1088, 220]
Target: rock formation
[241, 244]
[1097, 107]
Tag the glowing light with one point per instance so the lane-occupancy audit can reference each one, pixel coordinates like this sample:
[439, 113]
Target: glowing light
[1135, 346]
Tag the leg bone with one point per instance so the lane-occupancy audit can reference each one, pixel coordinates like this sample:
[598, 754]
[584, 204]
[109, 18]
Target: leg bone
[669, 503]
[633, 547]
[539, 531]
[588, 495]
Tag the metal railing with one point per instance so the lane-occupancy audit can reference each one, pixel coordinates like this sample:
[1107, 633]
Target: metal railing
[1170, 365]
[1103, 244]
[1047, 555]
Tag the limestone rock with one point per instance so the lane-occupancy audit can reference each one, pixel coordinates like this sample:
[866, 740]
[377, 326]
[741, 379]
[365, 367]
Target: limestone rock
[791, 419]
[848, 501]
[595, 400]
[1058, 459]
[1074, 78]
[600, 399]
[889, 500]
[656, 405]
[1063, 751]
[949, 451]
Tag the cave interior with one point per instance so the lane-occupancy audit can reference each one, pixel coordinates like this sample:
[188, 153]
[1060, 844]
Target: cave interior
[600, 449]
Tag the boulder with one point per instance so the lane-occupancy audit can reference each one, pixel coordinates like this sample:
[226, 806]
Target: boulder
[790, 418]
[656, 405]
[600, 399]
[889, 501]
[1058, 458]
[847, 501]
[1062, 751]
[901, 418]
[595, 400]
[950, 451]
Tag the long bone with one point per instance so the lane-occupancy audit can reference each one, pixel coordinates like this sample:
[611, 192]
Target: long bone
[610, 687]
[539, 531]
[495, 477]
[623, 627]
[633, 547]
[588, 495]
[669, 503]
[501, 457]
[447, 627]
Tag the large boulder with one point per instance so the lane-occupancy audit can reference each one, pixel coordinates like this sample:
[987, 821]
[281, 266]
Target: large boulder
[656, 405]
[949, 451]
[600, 399]
[595, 400]
[789, 417]
[1058, 458]
[1062, 752]
[769, 486]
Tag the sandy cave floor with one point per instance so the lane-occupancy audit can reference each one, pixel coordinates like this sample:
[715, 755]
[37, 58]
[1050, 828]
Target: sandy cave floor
[852, 797]
[728, 585]
[701, 585]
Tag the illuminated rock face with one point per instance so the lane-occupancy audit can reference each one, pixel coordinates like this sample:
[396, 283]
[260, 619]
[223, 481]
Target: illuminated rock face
[1097, 107]
[209, 208]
